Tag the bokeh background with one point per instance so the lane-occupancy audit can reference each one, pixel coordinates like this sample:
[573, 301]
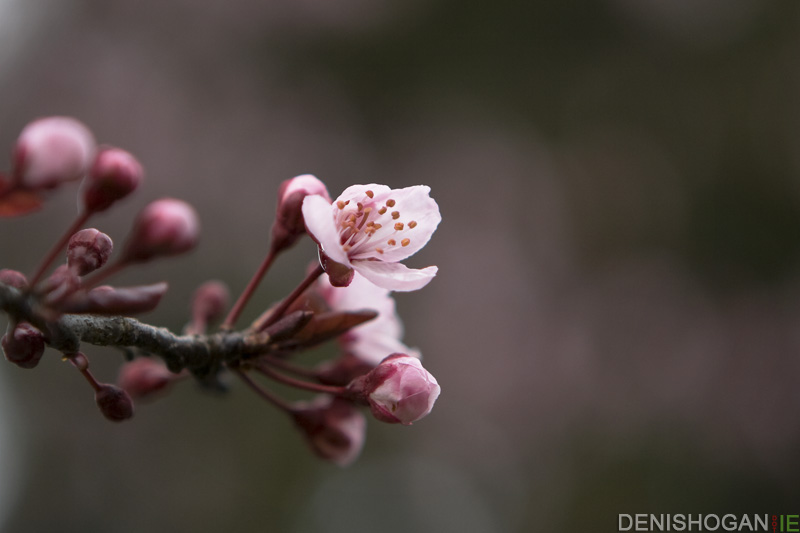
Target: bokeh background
[616, 322]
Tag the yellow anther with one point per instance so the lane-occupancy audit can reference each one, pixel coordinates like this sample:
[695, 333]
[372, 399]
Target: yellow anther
[379, 250]
[398, 226]
[391, 242]
[405, 242]
[340, 204]
[412, 224]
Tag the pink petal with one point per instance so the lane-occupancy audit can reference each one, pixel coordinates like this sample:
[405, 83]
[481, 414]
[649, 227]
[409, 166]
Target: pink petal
[418, 217]
[321, 225]
[356, 193]
[395, 276]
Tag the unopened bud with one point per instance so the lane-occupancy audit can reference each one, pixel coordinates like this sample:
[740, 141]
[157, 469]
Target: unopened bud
[88, 250]
[13, 278]
[289, 224]
[52, 150]
[210, 301]
[333, 427]
[398, 390]
[115, 404]
[165, 227]
[114, 175]
[143, 377]
[24, 345]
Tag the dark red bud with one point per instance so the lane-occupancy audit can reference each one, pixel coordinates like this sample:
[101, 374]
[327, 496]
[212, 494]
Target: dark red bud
[13, 278]
[115, 404]
[143, 377]
[114, 175]
[88, 250]
[24, 346]
[333, 427]
[210, 301]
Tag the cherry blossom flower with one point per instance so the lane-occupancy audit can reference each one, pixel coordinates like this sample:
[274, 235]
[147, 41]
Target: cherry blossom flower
[371, 228]
[374, 340]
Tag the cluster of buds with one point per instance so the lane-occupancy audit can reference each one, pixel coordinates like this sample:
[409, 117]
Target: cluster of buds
[362, 237]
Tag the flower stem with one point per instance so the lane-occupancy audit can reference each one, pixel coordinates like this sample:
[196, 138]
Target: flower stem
[80, 362]
[103, 275]
[236, 310]
[300, 384]
[264, 393]
[56, 249]
[292, 368]
[284, 305]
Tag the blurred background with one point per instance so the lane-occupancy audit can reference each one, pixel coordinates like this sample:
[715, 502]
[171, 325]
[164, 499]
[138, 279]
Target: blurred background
[616, 320]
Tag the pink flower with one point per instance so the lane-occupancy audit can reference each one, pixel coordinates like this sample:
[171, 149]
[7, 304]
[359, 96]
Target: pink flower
[371, 228]
[53, 150]
[374, 340]
[399, 390]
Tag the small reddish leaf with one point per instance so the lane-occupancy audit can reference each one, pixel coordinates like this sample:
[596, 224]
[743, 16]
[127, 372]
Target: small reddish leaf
[326, 326]
[16, 202]
[106, 300]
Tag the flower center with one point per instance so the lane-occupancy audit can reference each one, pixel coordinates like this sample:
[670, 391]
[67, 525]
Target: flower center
[359, 227]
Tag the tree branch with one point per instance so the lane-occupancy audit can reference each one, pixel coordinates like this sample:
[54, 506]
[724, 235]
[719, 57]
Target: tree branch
[202, 355]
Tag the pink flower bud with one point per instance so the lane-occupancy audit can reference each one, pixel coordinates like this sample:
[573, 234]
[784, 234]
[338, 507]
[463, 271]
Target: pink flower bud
[13, 278]
[165, 227]
[88, 250]
[24, 346]
[210, 301]
[333, 427]
[114, 175]
[398, 390]
[289, 224]
[52, 150]
[115, 404]
[144, 377]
